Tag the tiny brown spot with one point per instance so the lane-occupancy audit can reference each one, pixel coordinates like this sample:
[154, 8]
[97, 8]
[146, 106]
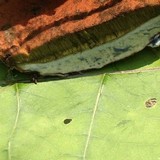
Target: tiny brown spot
[151, 102]
[67, 121]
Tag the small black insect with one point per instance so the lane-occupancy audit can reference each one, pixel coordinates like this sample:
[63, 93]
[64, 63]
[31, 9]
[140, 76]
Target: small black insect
[34, 78]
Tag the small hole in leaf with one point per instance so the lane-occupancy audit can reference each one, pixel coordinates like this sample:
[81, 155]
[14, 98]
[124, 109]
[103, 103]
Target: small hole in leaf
[67, 121]
[151, 102]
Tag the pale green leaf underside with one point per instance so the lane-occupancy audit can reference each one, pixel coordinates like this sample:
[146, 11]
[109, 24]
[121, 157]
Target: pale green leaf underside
[109, 117]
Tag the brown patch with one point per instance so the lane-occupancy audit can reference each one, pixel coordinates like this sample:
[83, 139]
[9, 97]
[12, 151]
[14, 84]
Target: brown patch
[151, 102]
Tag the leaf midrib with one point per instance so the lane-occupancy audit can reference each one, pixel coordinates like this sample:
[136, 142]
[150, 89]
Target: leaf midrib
[100, 90]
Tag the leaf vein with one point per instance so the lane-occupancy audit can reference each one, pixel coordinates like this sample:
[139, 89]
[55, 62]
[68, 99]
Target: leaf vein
[93, 116]
[15, 122]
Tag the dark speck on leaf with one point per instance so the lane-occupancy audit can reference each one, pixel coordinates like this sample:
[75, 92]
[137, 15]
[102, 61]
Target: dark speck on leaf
[82, 59]
[120, 50]
[96, 59]
[67, 121]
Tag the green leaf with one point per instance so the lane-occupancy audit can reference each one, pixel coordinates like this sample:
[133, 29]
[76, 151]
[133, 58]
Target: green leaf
[112, 113]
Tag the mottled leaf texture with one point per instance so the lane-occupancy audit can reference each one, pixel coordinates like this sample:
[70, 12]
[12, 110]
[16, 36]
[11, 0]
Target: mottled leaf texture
[112, 113]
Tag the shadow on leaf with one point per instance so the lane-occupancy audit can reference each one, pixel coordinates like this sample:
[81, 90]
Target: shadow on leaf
[146, 59]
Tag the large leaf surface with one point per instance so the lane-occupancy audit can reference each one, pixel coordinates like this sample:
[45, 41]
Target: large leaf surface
[103, 114]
